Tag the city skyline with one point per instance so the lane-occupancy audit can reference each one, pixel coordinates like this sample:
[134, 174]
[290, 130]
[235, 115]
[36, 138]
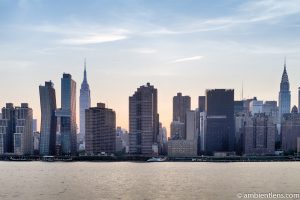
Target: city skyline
[156, 43]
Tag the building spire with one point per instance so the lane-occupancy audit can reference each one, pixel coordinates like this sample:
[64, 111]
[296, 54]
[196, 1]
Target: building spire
[284, 74]
[84, 77]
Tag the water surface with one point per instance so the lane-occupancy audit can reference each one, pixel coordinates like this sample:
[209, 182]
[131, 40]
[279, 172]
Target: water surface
[129, 180]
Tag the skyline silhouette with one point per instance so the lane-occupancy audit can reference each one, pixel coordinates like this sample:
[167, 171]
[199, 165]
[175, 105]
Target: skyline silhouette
[177, 47]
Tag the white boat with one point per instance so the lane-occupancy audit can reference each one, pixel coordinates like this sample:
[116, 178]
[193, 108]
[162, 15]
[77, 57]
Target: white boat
[48, 158]
[156, 159]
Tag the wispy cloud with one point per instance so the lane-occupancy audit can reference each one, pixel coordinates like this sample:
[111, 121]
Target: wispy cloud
[93, 39]
[82, 34]
[187, 59]
[251, 12]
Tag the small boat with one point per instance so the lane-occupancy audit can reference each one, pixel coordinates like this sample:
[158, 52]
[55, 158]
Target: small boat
[156, 159]
[48, 158]
[19, 159]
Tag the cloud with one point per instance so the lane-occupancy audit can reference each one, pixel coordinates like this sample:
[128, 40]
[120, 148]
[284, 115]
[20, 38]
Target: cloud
[187, 59]
[248, 13]
[83, 34]
[93, 39]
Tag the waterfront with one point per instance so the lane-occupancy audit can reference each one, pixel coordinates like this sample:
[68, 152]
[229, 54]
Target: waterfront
[132, 180]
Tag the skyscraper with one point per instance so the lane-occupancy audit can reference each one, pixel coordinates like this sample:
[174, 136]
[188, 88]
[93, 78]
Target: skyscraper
[220, 120]
[143, 120]
[177, 130]
[100, 130]
[259, 135]
[48, 119]
[290, 130]
[299, 100]
[181, 104]
[284, 94]
[201, 103]
[7, 129]
[67, 115]
[84, 103]
[23, 136]
[34, 125]
[190, 127]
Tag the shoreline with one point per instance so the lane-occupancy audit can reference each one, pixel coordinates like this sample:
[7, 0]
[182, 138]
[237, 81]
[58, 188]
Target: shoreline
[132, 158]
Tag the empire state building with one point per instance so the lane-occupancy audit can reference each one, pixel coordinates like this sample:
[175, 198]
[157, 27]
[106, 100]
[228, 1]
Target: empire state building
[284, 94]
[84, 103]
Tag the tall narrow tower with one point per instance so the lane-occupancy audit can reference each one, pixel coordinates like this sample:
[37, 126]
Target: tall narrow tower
[298, 100]
[143, 120]
[284, 94]
[85, 103]
[67, 115]
[48, 119]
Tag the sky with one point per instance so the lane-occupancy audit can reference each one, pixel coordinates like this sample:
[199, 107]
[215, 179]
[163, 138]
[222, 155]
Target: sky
[178, 46]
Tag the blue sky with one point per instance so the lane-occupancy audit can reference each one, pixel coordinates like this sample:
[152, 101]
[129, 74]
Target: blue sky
[179, 46]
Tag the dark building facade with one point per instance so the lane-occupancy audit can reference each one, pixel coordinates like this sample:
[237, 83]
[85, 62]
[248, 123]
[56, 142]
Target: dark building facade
[67, 115]
[7, 129]
[181, 104]
[143, 120]
[100, 129]
[259, 135]
[238, 107]
[48, 119]
[16, 135]
[298, 100]
[220, 128]
[201, 103]
[290, 131]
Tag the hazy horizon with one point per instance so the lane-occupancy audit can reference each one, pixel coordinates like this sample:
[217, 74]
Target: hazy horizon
[177, 46]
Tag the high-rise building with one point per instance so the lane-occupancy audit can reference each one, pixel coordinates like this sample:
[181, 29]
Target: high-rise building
[143, 121]
[122, 140]
[7, 129]
[259, 135]
[256, 106]
[48, 119]
[177, 130]
[36, 143]
[201, 103]
[298, 145]
[190, 126]
[220, 120]
[238, 107]
[202, 132]
[162, 140]
[67, 115]
[85, 103]
[270, 108]
[34, 125]
[284, 94]
[299, 99]
[23, 136]
[181, 104]
[290, 131]
[100, 130]
[239, 130]
[200, 109]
